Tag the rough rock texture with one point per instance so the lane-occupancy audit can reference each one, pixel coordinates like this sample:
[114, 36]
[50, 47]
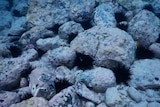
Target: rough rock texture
[145, 74]
[32, 102]
[65, 98]
[61, 56]
[18, 26]
[155, 48]
[11, 97]
[50, 43]
[145, 28]
[104, 16]
[41, 84]
[84, 92]
[69, 30]
[99, 79]
[107, 46]
[11, 71]
[4, 5]
[31, 36]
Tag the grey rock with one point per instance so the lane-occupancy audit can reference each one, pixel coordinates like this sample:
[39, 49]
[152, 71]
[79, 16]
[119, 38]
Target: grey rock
[31, 36]
[90, 104]
[61, 56]
[155, 4]
[66, 98]
[54, 12]
[155, 48]
[50, 43]
[99, 78]
[83, 91]
[112, 97]
[29, 55]
[32, 102]
[145, 74]
[20, 7]
[11, 71]
[41, 84]
[134, 94]
[6, 19]
[81, 10]
[68, 29]
[145, 28]
[141, 104]
[154, 104]
[18, 27]
[11, 97]
[107, 46]
[104, 16]
[101, 105]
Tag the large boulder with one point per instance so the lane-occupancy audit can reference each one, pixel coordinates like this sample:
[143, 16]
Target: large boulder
[107, 46]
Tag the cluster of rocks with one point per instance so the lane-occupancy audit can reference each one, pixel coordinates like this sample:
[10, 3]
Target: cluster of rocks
[80, 53]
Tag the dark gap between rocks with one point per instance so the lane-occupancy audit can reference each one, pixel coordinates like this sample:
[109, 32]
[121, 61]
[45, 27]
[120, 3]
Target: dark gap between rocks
[86, 24]
[71, 37]
[158, 40]
[16, 13]
[149, 8]
[15, 51]
[26, 72]
[61, 85]
[119, 16]
[40, 53]
[83, 62]
[142, 53]
[55, 28]
[122, 74]
[158, 15]
[10, 4]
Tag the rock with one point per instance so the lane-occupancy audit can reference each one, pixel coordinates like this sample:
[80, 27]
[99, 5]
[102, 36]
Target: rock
[154, 104]
[7, 97]
[141, 104]
[155, 4]
[101, 105]
[107, 46]
[11, 70]
[155, 48]
[145, 74]
[31, 36]
[63, 73]
[81, 10]
[32, 102]
[23, 82]
[69, 30]
[18, 27]
[6, 19]
[4, 5]
[41, 84]
[134, 94]
[50, 43]
[104, 16]
[145, 28]
[89, 104]
[54, 12]
[29, 55]
[61, 56]
[90, 95]
[112, 97]
[65, 98]
[99, 79]
[133, 5]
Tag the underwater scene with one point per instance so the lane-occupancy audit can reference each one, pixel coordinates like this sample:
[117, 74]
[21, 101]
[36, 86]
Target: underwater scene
[79, 53]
